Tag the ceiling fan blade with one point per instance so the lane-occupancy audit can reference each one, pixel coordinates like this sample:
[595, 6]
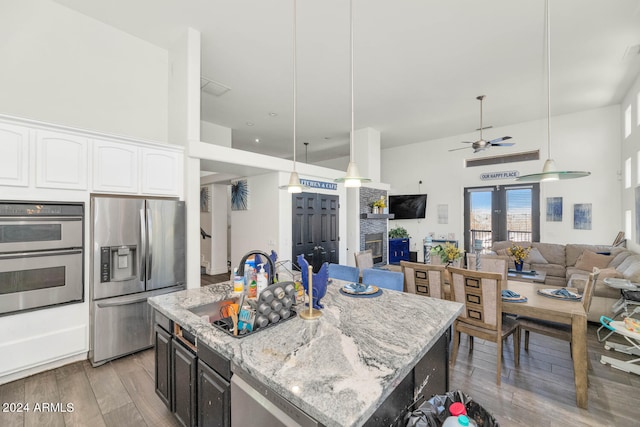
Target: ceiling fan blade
[456, 149]
[504, 138]
[504, 144]
[467, 142]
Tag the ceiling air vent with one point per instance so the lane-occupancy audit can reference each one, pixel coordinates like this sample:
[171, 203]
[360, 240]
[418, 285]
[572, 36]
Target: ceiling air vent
[508, 158]
[213, 87]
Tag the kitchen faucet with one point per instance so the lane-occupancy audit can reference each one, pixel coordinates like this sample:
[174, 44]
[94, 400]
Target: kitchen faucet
[272, 269]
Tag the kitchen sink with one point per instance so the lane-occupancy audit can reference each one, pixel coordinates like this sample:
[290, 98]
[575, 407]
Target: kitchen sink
[212, 309]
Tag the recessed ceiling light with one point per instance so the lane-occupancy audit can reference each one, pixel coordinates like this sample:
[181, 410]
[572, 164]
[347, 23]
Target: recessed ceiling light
[249, 123]
[257, 139]
[272, 114]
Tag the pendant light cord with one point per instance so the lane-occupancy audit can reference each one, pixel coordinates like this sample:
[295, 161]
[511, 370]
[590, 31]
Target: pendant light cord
[548, 80]
[481, 98]
[351, 137]
[295, 85]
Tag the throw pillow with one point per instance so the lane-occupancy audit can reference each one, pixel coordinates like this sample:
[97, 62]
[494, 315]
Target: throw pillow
[589, 259]
[535, 257]
[610, 272]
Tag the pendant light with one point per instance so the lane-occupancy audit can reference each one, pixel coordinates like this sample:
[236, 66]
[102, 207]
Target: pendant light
[353, 178]
[549, 171]
[294, 185]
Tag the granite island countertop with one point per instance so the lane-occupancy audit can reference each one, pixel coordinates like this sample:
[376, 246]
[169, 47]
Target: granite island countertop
[338, 369]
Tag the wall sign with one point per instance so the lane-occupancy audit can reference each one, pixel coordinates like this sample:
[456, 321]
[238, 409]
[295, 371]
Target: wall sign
[319, 184]
[499, 175]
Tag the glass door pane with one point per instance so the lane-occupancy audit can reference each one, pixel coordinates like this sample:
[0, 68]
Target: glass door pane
[519, 214]
[480, 223]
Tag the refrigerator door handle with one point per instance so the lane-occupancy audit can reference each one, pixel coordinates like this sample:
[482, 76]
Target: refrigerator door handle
[143, 244]
[150, 240]
[128, 301]
[137, 298]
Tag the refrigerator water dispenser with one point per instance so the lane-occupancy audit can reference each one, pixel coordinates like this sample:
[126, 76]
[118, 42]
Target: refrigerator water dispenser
[117, 263]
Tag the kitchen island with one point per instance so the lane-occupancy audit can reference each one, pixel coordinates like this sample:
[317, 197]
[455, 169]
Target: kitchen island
[342, 368]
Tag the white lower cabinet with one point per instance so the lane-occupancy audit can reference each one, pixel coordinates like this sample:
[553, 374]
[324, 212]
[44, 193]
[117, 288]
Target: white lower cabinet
[61, 160]
[14, 155]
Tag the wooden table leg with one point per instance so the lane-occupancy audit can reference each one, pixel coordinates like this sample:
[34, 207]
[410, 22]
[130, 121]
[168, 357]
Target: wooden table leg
[579, 354]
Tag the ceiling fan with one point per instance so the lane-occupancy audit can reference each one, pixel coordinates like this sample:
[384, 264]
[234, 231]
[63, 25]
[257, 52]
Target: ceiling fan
[481, 144]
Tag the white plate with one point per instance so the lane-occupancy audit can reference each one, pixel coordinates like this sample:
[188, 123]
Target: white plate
[619, 283]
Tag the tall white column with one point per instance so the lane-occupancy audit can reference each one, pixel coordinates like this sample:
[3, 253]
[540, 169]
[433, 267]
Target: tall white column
[367, 153]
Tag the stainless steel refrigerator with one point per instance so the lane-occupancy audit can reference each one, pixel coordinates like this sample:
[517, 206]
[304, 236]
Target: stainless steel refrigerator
[137, 251]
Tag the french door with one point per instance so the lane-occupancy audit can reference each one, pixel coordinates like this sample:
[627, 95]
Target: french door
[315, 229]
[501, 212]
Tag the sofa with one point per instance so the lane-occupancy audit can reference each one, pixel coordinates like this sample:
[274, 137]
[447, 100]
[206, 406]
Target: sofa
[570, 265]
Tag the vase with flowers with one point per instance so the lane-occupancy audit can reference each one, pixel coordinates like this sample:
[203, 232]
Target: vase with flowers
[519, 253]
[449, 254]
[378, 205]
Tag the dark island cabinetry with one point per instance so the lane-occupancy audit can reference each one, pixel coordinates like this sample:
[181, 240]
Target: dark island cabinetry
[194, 391]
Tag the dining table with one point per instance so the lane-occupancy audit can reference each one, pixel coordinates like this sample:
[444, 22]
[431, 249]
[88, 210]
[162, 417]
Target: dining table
[561, 311]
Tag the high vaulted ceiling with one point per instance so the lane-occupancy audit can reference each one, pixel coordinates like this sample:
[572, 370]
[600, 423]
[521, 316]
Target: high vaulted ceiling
[418, 64]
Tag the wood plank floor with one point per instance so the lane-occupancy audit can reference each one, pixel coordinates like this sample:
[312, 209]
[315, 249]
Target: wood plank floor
[206, 279]
[539, 393]
[119, 393]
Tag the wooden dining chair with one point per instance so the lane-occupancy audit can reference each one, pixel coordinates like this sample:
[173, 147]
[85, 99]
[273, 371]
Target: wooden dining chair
[490, 263]
[393, 280]
[481, 294]
[424, 279]
[558, 330]
[364, 259]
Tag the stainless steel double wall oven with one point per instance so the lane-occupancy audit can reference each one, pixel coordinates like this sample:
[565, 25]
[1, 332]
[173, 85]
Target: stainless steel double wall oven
[41, 255]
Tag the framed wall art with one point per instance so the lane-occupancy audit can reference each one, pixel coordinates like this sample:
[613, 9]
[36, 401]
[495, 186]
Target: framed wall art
[582, 216]
[554, 209]
[239, 195]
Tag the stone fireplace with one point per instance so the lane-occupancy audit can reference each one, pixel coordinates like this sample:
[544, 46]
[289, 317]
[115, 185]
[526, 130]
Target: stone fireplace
[373, 231]
[373, 241]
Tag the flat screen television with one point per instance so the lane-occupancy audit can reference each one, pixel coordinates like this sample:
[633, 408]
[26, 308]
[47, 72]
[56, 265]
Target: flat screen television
[408, 206]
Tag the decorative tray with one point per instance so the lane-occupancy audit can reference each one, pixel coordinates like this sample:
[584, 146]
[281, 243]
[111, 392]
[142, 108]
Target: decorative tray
[353, 290]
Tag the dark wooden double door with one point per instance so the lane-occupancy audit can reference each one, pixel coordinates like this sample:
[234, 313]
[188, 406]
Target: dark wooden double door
[315, 228]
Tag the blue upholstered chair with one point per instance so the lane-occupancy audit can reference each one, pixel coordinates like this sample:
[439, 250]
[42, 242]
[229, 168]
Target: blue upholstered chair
[344, 272]
[393, 280]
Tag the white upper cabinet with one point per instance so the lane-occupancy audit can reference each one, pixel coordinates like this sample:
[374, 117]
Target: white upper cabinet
[61, 160]
[115, 167]
[161, 171]
[14, 155]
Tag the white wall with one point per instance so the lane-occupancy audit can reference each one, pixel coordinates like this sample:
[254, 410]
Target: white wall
[214, 250]
[582, 141]
[339, 163]
[257, 228]
[65, 68]
[630, 149]
[215, 134]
